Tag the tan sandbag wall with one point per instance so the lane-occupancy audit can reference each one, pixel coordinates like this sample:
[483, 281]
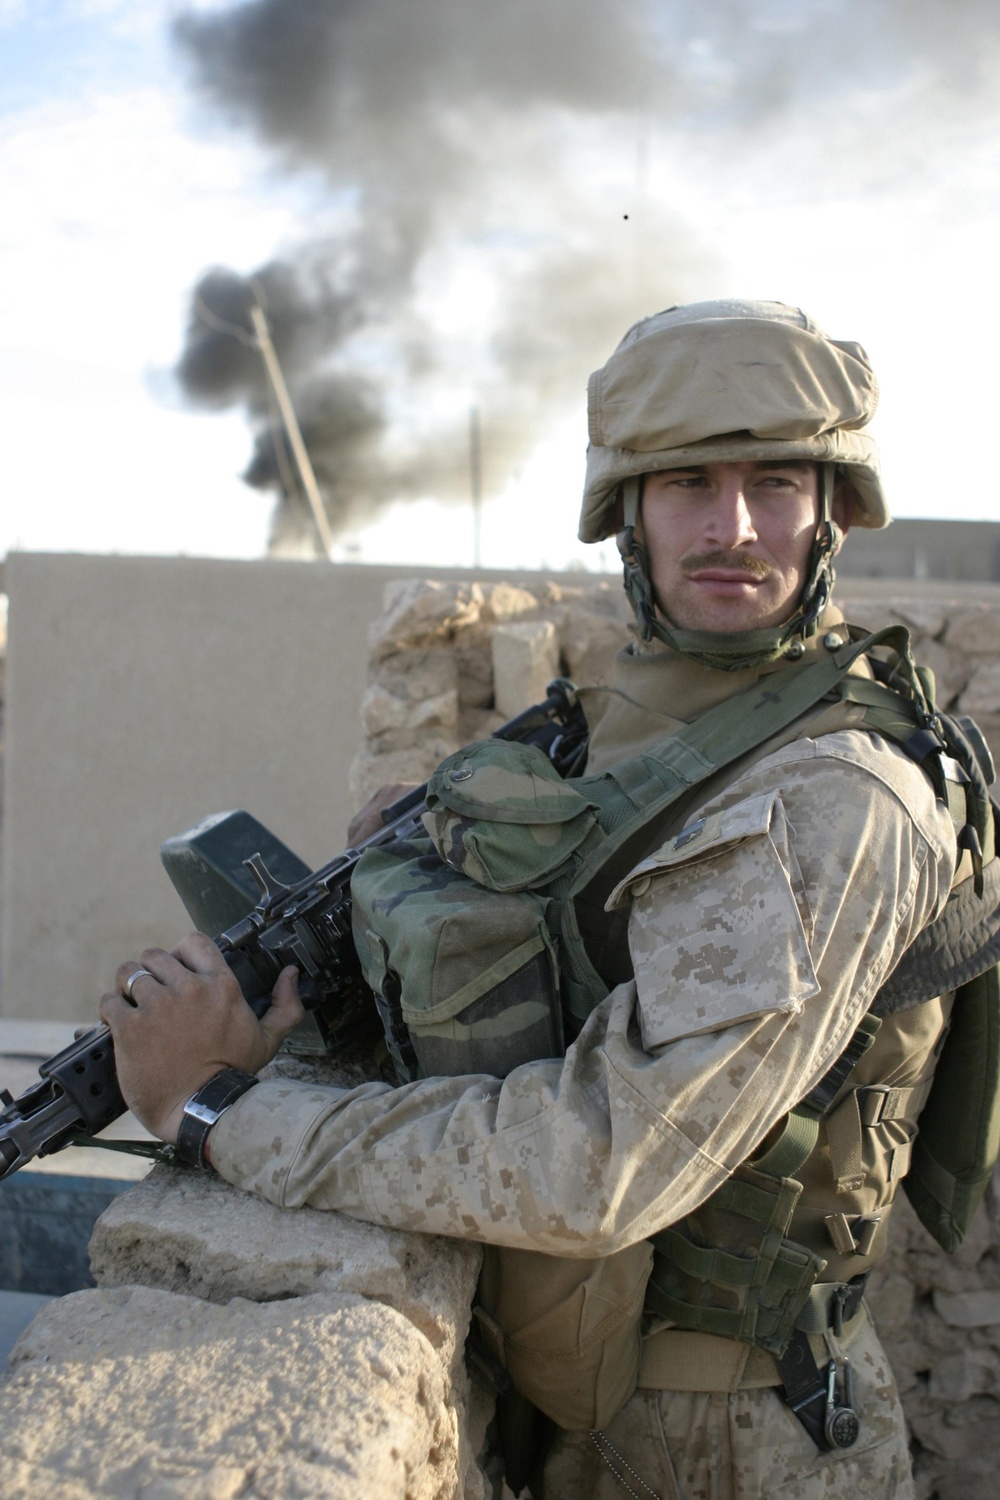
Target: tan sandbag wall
[231, 1350]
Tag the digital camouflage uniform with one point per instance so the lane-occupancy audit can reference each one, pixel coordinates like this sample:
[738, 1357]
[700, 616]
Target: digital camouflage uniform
[758, 945]
[756, 953]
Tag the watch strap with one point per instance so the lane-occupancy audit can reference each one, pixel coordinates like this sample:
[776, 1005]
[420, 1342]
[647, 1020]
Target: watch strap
[204, 1109]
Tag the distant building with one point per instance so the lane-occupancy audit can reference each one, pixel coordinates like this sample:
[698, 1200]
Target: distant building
[945, 550]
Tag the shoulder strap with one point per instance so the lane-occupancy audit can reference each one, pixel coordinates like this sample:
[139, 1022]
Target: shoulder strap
[647, 785]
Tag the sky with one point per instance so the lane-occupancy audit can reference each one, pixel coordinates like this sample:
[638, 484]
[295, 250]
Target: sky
[453, 208]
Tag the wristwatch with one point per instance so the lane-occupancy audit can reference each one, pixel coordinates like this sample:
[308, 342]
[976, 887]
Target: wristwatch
[205, 1108]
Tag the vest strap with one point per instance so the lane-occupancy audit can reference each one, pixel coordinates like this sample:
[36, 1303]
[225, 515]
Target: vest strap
[832, 1303]
[655, 780]
[878, 1104]
[844, 1133]
[794, 1145]
[863, 1109]
[677, 1359]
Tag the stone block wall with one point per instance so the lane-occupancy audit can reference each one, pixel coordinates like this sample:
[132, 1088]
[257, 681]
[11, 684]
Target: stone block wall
[450, 662]
[235, 1352]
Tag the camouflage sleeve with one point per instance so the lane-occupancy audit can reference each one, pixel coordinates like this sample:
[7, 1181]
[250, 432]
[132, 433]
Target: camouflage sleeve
[759, 935]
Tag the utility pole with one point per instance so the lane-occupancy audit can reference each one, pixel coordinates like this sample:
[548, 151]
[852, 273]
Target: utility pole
[262, 335]
[476, 476]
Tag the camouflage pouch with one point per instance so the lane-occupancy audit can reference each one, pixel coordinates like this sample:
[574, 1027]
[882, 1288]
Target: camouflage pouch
[452, 930]
[465, 978]
[500, 813]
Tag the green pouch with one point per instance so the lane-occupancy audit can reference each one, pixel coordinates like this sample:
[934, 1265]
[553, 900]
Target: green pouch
[469, 976]
[959, 1136]
[500, 813]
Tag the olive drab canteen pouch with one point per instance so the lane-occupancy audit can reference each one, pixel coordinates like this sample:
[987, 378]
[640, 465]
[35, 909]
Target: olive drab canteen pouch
[453, 932]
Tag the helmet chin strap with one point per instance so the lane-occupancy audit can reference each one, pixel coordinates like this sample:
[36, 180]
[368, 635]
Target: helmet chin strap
[729, 652]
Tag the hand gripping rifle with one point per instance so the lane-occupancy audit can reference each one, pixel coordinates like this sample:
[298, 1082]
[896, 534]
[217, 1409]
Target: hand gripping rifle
[299, 918]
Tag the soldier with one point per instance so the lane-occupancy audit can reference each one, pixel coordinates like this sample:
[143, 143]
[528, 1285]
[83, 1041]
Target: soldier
[652, 1173]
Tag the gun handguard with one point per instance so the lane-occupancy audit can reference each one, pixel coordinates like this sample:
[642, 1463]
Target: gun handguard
[78, 1091]
[307, 924]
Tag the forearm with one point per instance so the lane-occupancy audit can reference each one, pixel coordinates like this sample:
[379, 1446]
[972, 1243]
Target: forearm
[574, 1156]
[565, 1155]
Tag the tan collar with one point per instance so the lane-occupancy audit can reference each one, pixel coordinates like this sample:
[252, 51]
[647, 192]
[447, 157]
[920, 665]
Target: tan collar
[655, 691]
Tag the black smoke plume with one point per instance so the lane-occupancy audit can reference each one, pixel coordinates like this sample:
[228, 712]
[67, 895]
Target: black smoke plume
[516, 144]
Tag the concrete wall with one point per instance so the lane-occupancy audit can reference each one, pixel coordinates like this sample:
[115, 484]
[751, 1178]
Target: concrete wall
[920, 549]
[143, 694]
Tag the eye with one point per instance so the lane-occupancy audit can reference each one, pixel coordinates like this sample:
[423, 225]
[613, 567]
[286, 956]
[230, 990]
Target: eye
[779, 483]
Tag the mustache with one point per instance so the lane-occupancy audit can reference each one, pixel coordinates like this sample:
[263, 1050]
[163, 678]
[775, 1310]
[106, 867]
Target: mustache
[755, 566]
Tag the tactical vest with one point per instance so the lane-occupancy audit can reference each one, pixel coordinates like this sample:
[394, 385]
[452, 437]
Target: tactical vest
[472, 982]
[813, 1205]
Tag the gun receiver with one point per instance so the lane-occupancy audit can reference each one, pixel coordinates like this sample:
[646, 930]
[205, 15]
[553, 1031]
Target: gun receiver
[305, 922]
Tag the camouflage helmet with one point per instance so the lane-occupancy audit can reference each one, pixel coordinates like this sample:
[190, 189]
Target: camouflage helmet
[729, 381]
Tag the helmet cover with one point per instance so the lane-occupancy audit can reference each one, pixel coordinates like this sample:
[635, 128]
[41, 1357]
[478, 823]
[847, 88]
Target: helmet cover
[724, 382]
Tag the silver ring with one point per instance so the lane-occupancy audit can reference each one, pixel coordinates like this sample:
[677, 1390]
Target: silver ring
[130, 981]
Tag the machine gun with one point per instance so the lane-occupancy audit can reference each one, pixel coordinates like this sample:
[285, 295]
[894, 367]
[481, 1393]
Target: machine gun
[299, 918]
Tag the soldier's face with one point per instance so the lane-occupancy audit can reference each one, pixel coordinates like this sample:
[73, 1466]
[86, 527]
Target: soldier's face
[729, 543]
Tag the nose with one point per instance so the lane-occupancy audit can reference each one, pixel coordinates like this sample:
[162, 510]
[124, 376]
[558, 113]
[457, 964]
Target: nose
[729, 519]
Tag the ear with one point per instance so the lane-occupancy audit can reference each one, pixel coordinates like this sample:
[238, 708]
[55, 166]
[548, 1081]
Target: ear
[842, 506]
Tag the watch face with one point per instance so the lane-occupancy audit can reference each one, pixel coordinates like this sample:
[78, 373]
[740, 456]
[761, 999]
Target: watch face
[228, 1085]
[203, 1113]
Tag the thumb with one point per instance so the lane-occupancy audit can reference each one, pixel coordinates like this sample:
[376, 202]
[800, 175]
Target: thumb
[286, 1010]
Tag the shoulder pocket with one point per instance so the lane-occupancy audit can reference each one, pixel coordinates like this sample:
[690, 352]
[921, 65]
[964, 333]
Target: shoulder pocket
[716, 927]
